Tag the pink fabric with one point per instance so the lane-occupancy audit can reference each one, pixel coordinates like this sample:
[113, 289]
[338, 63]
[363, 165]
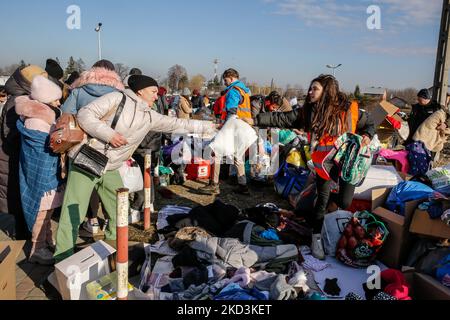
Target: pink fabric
[397, 285]
[99, 76]
[27, 108]
[400, 156]
[37, 124]
[242, 277]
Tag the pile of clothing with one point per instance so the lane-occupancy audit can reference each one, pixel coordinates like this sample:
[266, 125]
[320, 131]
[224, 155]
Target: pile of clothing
[219, 252]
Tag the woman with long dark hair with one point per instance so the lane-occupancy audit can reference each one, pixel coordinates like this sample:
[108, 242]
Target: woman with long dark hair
[326, 115]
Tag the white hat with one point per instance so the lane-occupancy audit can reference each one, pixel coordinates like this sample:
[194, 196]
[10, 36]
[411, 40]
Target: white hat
[186, 92]
[44, 90]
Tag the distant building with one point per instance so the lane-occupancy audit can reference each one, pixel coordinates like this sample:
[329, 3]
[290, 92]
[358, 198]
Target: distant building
[400, 103]
[374, 92]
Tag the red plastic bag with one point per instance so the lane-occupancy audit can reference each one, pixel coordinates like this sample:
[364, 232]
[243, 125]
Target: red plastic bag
[361, 240]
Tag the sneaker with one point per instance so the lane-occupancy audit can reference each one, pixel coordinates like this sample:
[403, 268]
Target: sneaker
[317, 247]
[93, 228]
[211, 189]
[242, 189]
[43, 257]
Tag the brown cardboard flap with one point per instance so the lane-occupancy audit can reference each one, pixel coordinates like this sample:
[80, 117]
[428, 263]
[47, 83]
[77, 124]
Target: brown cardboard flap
[15, 247]
[428, 288]
[383, 110]
[423, 225]
[9, 251]
[379, 197]
[390, 216]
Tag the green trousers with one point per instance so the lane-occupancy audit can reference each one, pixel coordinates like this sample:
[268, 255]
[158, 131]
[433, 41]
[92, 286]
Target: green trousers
[76, 201]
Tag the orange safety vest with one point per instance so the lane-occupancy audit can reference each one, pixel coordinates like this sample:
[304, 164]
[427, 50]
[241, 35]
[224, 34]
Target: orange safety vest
[244, 108]
[326, 143]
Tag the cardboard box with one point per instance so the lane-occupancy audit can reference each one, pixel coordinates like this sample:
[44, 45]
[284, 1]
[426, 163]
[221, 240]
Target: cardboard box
[398, 244]
[74, 273]
[383, 110]
[9, 251]
[424, 287]
[423, 225]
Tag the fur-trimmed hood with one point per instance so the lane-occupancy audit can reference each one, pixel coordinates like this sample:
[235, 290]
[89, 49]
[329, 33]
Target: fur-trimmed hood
[99, 76]
[25, 107]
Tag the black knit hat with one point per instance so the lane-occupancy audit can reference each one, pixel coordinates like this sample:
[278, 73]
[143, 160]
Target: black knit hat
[137, 82]
[54, 69]
[424, 93]
[135, 71]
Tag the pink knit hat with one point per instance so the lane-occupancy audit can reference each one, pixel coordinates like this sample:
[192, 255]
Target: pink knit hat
[45, 91]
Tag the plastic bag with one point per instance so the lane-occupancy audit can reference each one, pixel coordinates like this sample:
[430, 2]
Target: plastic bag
[440, 178]
[132, 176]
[361, 240]
[290, 180]
[234, 139]
[405, 192]
[333, 227]
[261, 170]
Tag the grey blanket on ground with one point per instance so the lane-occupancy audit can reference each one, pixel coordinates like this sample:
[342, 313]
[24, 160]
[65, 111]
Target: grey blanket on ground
[234, 253]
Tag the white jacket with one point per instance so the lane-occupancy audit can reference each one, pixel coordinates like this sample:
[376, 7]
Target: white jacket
[136, 121]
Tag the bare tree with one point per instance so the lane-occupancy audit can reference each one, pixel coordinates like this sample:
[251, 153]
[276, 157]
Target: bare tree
[177, 76]
[81, 66]
[122, 70]
[197, 82]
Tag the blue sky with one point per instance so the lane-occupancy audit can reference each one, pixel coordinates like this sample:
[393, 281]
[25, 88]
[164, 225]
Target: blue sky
[289, 40]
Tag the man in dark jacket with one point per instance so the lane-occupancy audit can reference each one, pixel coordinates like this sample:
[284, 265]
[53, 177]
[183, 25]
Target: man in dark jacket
[18, 85]
[421, 111]
[197, 100]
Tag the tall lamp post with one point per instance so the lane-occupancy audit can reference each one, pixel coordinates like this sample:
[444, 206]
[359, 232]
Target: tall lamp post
[334, 67]
[98, 29]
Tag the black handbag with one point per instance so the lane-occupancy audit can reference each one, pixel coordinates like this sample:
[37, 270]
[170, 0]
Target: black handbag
[92, 161]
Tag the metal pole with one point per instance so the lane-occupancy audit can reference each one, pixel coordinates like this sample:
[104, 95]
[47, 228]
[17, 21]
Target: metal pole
[122, 244]
[99, 46]
[443, 57]
[147, 191]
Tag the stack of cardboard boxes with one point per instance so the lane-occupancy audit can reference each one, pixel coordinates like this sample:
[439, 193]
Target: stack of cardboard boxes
[399, 243]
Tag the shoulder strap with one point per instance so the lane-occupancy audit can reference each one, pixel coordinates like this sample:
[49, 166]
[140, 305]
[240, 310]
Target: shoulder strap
[119, 111]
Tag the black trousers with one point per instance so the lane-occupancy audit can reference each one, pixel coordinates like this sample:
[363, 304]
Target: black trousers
[324, 196]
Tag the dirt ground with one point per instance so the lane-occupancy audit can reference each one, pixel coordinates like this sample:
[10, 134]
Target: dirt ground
[187, 195]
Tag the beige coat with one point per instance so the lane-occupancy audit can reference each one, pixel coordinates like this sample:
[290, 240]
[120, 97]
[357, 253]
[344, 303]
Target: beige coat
[433, 139]
[184, 108]
[136, 121]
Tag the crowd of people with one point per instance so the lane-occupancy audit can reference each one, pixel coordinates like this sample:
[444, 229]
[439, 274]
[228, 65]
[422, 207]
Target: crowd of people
[126, 119]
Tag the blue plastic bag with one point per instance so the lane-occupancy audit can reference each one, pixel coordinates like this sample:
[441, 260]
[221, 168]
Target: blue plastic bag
[290, 180]
[405, 192]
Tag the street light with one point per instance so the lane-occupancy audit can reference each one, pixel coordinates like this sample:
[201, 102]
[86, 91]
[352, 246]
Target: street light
[333, 67]
[98, 29]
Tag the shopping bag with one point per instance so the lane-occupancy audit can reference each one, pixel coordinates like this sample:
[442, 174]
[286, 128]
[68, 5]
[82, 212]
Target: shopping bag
[132, 176]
